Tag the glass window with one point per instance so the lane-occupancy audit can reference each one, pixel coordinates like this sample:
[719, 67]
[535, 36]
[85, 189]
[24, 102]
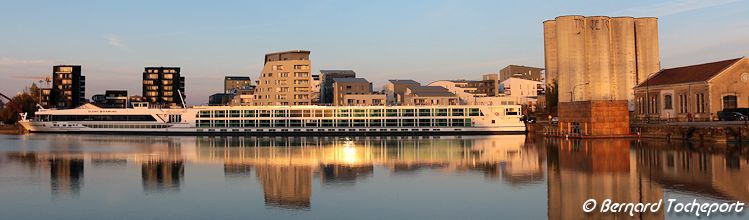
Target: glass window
[359, 113]
[295, 123]
[343, 113]
[391, 122]
[204, 123]
[204, 114]
[468, 122]
[326, 123]
[249, 123]
[279, 113]
[264, 123]
[730, 101]
[249, 113]
[459, 122]
[375, 123]
[310, 123]
[234, 113]
[235, 123]
[409, 122]
[264, 113]
[391, 112]
[342, 122]
[425, 122]
[219, 123]
[219, 113]
[359, 123]
[474, 112]
[425, 112]
[295, 113]
[458, 112]
[668, 102]
[328, 113]
[375, 113]
[441, 112]
[442, 122]
[279, 123]
[408, 112]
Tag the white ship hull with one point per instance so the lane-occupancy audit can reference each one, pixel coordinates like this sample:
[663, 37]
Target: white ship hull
[283, 120]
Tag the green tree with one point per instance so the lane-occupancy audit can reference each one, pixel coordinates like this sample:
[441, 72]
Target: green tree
[552, 97]
[10, 114]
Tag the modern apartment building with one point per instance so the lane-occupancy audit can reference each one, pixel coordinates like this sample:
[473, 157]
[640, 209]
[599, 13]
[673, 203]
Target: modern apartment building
[521, 72]
[163, 86]
[111, 99]
[349, 86]
[327, 78]
[285, 79]
[429, 95]
[236, 82]
[68, 87]
[396, 88]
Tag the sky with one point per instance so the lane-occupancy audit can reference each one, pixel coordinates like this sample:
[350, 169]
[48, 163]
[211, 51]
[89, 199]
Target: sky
[422, 40]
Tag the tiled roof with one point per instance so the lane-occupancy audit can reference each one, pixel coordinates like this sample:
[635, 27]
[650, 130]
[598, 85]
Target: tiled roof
[685, 74]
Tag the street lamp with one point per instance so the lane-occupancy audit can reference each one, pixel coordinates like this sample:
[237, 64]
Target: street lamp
[572, 93]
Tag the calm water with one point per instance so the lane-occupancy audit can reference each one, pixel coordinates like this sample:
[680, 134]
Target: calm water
[466, 177]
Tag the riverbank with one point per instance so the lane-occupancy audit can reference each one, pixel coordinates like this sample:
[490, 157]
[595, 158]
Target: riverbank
[11, 129]
[716, 131]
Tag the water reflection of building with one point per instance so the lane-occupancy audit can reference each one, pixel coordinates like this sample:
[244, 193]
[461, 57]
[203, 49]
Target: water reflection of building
[579, 170]
[337, 173]
[162, 175]
[286, 186]
[66, 175]
[717, 175]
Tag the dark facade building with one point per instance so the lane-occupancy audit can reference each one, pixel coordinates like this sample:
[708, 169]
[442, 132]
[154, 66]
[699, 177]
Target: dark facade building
[111, 99]
[236, 82]
[163, 86]
[327, 78]
[221, 98]
[68, 87]
[522, 72]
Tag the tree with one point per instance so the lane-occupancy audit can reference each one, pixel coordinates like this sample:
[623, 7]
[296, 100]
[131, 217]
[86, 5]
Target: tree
[552, 97]
[10, 114]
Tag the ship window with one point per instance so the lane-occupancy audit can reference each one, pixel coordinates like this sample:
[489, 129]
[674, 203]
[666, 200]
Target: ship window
[408, 112]
[234, 113]
[441, 122]
[391, 122]
[235, 123]
[279, 113]
[295, 113]
[441, 112]
[280, 123]
[264, 113]
[342, 122]
[295, 123]
[308, 113]
[474, 112]
[204, 114]
[468, 122]
[219, 113]
[326, 123]
[249, 123]
[408, 122]
[249, 113]
[457, 122]
[359, 123]
[375, 123]
[219, 123]
[425, 122]
[343, 113]
[375, 113]
[311, 123]
[391, 112]
[458, 112]
[425, 112]
[102, 118]
[359, 113]
[263, 123]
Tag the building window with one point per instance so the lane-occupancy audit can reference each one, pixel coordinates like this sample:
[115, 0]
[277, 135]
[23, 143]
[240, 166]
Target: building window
[730, 101]
[668, 102]
[700, 98]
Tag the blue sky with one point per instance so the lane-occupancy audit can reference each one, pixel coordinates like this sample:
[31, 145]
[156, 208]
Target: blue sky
[380, 40]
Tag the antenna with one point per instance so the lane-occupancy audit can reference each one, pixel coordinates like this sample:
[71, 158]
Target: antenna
[182, 99]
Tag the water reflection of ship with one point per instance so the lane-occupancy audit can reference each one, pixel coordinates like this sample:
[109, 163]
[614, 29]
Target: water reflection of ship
[285, 166]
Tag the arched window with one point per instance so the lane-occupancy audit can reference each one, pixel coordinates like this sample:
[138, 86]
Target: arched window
[730, 101]
[668, 102]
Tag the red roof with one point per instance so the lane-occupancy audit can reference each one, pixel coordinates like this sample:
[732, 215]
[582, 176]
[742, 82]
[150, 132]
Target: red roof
[685, 74]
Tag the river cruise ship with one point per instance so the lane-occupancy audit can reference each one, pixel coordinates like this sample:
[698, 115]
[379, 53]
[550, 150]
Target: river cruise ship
[292, 120]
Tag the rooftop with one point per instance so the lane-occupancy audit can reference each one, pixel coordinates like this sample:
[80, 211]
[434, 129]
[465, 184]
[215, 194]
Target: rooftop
[403, 81]
[337, 71]
[237, 77]
[345, 80]
[686, 74]
[430, 91]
